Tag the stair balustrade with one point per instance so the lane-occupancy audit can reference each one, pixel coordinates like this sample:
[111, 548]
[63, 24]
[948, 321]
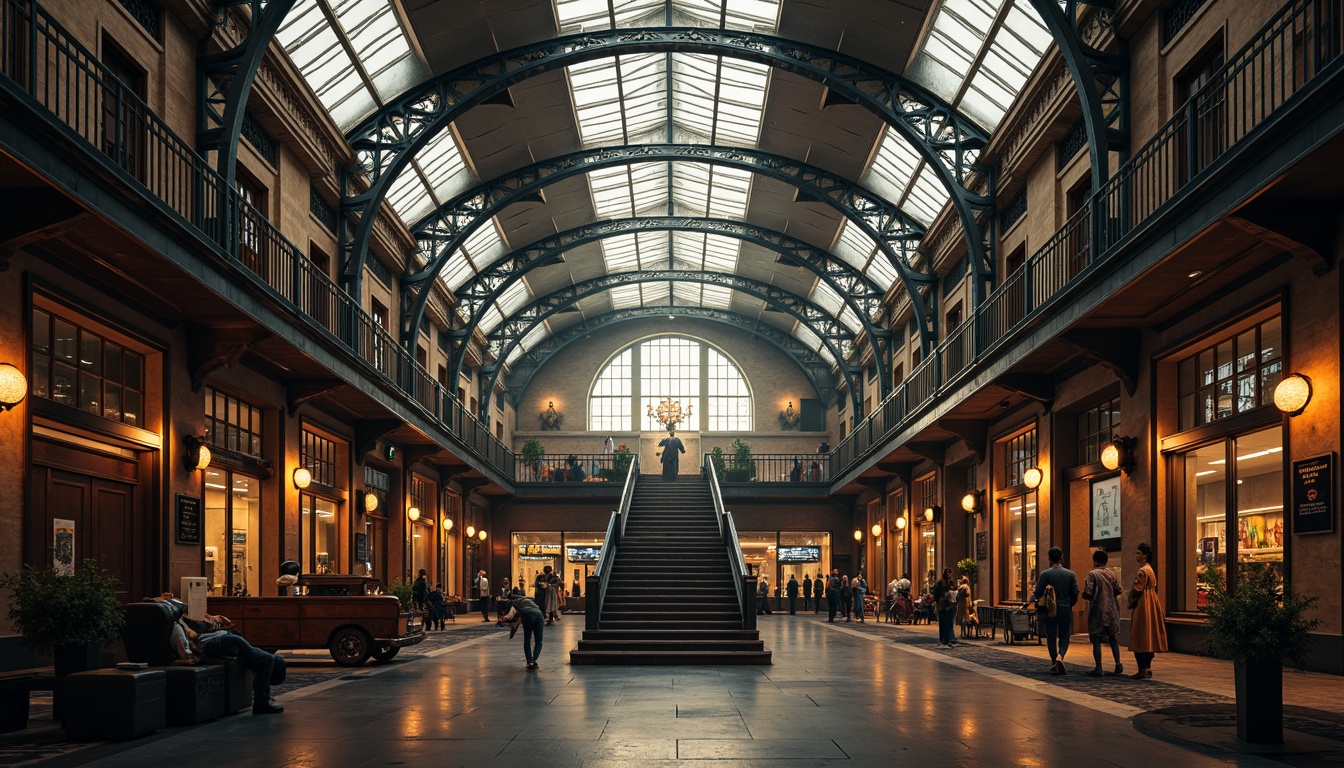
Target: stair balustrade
[745, 582]
[597, 581]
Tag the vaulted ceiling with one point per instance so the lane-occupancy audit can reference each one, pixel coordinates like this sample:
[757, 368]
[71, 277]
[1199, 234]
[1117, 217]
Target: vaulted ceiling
[359, 55]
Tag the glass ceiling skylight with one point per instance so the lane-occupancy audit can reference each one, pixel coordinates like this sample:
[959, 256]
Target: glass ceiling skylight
[587, 15]
[859, 251]
[482, 248]
[353, 53]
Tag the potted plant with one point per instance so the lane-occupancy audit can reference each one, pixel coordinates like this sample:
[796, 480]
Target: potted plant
[403, 590]
[970, 568]
[1257, 626]
[531, 456]
[716, 458]
[740, 468]
[69, 615]
[620, 463]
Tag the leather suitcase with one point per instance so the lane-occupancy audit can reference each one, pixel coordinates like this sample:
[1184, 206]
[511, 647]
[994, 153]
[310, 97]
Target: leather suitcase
[195, 694]
[113, 704]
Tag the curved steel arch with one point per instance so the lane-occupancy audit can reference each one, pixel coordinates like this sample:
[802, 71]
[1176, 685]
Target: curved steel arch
[833, 333]
[943, 137]
[814, 365]
[856, 290]
[442, 231]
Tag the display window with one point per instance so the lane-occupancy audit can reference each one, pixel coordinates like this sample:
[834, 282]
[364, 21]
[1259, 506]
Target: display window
[531, 552]
[318, 538]
[232, 532]
[801, 554]
[1018, 517]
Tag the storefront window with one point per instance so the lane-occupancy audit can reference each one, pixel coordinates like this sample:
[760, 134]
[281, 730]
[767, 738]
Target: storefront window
[322, 553]
[1231, 376]
[1232, 510]
[532, 552]
[79, 368]
[232, 525]
[1018, 514]
[801, 554]
[582, 552]
[759, 553]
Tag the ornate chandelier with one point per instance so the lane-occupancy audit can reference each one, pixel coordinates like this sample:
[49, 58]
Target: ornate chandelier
[669, 413]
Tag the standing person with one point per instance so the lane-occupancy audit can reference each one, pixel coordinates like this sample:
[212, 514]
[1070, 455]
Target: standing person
[671, 456]
[763, 597]
[945, 599]
[796, 471]
[524, 612]
[846, 598]
[1060, 626]
[547, 593]
[483, 588]
[1147, 626]
[818, 588]
[609, 446]
[807, 591]
[420, 591]
[791, 591]
[860, 586]
[833, 593]
[965, 608]
[438, 609]
[1101, 590]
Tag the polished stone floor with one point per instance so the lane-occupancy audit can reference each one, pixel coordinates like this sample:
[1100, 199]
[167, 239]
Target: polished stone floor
[832, 697]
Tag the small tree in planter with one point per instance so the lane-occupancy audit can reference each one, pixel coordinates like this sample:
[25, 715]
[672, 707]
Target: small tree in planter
[533, 450]
[1257, 627]
[740, 468]
[970, 568]
[716, 458]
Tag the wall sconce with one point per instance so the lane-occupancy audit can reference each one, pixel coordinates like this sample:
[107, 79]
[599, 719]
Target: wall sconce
[302, 478]
[933, 514]
[471, 531]
[1291, 395]
[1032, 477]
[877, 530]
[197, 455]
[370, 501]
[971, 502]
[858, 535]
[413, 513]
[788, 418]
[13, 387]
[481, 534]
[447, 524]
[1119, 454]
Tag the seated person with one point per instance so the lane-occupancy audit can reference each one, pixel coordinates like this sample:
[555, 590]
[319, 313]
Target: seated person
[574, 469]
[215, 636]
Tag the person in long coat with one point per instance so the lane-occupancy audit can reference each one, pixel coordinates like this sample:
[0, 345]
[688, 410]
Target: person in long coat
[671, 457]
[1147, 626]
[965, 609]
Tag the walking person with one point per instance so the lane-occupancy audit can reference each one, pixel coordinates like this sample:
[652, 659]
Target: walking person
[420, 591]
[523, 611]
[791, 591]
[546, 592]
[860, 586]
[945, 599]
[671, 458]
[483, 587]
[438, 609]
[846, 598]
[763, 597]
[807, 591]
[1101, 590]
[1147, 625]
[833, 593]
[1058, 627]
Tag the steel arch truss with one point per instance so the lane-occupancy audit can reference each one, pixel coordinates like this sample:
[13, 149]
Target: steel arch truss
[1101, 79]
[948, 141]
[858, 292]
[224, 80]
[443, 231]
[814, 366]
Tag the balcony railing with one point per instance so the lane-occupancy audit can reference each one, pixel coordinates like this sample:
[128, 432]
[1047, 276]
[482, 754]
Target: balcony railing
[1267, 75]
[42, 60]
[773, 468]
[573, 468]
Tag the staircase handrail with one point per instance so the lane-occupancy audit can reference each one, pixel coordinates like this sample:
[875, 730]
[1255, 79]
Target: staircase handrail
[728, 531]
[597, 583]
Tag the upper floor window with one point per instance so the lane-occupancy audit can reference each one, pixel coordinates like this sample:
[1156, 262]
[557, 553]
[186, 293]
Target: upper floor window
[75, 366]
[379, 484]
[318, 454]
[1019, 455]
[1232, 375]
[1095, 428]
[232, 424]
[700, 379]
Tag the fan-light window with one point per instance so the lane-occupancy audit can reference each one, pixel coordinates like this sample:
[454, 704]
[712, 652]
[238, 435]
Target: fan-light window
[694, 375]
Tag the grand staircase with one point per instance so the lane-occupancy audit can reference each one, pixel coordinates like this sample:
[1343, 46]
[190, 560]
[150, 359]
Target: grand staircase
[671, 597]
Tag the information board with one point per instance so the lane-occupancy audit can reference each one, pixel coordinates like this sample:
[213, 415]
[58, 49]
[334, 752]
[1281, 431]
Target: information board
[799, 554]
[1314, 494]
[188, 519]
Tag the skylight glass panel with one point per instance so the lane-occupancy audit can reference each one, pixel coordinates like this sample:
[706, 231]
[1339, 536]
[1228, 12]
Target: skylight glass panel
[805, 335]
[620, 254]
[515, 297]
[625, 296]
[718, 100]
[407, 194]
[655, 294]
[518, 351]
[315, 48]
[711, 253]
[926, 196]
[457, 271]
[444, 167]
[850, 319]
[484, 246]
[627, 190]
[899, 174]
[620, 98]
[1017, 48]
[583, 15]
[757, 15]
[826, 298]
[491, 318]
[704, 190]
[716, 296]
[530, 340]
[380, 45]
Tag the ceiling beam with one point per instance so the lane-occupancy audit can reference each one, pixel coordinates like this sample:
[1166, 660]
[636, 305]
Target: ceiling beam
[1116, 349]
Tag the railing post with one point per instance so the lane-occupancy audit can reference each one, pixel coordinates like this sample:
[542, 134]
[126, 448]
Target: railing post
[1191, 139]
[591, 584]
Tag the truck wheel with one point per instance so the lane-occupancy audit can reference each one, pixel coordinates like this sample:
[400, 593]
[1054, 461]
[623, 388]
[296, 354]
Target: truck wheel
[384, 654]
[351, 647]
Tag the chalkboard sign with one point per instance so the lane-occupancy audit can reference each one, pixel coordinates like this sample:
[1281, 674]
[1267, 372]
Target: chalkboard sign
[188, 520]
[1314, 494]
[361, 548]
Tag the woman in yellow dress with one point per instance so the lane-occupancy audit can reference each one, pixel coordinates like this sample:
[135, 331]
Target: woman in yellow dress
[1147, 626]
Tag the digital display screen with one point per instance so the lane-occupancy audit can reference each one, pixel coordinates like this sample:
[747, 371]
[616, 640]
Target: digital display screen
[799, 554]
[583, 554]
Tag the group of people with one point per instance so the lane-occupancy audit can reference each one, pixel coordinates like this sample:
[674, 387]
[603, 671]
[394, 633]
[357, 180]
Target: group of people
[430, 601]
[844, 596]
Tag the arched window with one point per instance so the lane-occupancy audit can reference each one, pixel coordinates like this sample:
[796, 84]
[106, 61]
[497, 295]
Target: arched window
[695, 375]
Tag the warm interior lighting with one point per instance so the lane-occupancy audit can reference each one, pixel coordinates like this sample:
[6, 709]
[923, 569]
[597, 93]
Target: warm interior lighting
[1292, 394]
[970, 502]
[1032, 477]
[471, 531]
[13, 387]
[481, 534]
[877, 530]
[302, 478]
[858, 535]
[447, 524]
[413, 513]
[370, 501]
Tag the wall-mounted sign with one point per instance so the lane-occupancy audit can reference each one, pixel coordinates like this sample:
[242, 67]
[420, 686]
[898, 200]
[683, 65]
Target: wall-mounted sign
[539, 550]
[583, 554]
[799, 554]
[1208, 549]
[1105, 513]
[1314, 494]
[188, 520]
[362, 548]
[981, 545]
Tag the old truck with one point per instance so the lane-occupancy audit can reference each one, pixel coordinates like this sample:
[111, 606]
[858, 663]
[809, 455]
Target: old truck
[336, 612]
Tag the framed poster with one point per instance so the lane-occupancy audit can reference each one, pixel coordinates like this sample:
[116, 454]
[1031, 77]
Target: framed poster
[982, 545]
[1314, 494]
[1104, 512]
[188, 519]
[63, 546]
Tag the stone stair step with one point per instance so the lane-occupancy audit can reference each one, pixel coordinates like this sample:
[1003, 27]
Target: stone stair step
[669, 658]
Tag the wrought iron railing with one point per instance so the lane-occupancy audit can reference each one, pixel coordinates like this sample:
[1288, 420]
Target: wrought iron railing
[742, 578]
[773, 468]
[596, 583]
[1278, 66]
[48, 66]
[573, 468]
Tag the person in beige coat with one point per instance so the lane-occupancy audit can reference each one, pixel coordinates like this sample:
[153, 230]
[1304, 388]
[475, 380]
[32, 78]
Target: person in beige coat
[1147, 626]
[965, 608]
